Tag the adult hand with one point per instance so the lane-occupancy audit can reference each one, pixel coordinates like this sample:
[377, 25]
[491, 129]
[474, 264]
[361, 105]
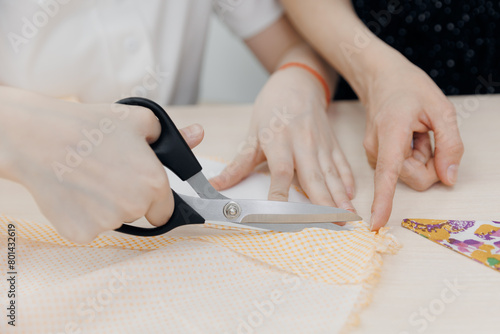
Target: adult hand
[403, 105]
[89, 167]
[290, 129]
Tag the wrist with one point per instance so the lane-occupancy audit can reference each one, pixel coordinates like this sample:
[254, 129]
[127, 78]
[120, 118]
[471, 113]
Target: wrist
[314, 73]
[370, 66]
[293, 87]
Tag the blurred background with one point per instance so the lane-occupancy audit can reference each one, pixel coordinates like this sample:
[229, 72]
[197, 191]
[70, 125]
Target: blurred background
[231, 74]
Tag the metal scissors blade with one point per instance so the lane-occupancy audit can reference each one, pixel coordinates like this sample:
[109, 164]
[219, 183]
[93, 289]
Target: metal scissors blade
[174, 153]
[270, 215]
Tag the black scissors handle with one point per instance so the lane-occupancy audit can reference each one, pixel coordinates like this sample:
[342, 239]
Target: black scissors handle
[175, 154]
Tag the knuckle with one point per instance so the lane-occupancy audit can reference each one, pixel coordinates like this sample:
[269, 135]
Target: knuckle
[324, 200]
[369, 146]
[450, 144]
[419, 184]
[339, 156]
[133, 209]
[386, 172]
[448, 108]
[284, 170]
[143, 118]
[457, 148]
[158, 182]
[163, 217]
[316, 177]
[331, 171]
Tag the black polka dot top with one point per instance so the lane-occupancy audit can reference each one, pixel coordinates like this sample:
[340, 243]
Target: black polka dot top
[456, 42]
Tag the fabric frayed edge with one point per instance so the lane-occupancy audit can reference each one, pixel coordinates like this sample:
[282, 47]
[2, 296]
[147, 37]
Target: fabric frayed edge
[386, 244]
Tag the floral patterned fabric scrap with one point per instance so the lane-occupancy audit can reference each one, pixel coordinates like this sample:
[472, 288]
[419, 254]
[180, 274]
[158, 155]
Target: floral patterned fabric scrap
[476, 239]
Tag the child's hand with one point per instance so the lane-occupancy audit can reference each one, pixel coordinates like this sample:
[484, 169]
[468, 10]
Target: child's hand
[290, 129]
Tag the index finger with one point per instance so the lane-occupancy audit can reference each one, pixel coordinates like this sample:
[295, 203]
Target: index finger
[391, 155]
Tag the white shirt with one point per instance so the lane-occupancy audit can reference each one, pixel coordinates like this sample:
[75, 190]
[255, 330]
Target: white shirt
[101, 51]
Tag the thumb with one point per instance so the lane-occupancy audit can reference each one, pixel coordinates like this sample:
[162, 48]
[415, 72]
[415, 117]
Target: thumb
[193, 134]
[148, 124]
[449, 147]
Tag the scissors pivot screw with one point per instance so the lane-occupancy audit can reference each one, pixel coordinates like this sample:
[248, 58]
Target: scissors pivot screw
[232, 210]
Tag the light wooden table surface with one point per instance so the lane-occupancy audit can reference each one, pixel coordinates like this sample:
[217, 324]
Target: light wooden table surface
[409, 296]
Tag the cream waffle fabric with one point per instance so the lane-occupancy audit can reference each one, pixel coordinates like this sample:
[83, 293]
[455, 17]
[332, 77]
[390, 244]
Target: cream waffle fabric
[203, 279]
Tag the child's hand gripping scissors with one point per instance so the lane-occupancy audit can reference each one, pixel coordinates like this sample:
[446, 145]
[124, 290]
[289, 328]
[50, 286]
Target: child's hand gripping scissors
[175, 154]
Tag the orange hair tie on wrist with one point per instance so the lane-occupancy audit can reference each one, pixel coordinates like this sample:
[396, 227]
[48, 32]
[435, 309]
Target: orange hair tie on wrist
[313, 72]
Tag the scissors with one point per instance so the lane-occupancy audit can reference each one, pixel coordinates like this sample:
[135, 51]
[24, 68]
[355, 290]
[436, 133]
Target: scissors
[175, 154]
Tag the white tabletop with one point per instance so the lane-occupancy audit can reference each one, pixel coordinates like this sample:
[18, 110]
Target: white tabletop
[413, 294]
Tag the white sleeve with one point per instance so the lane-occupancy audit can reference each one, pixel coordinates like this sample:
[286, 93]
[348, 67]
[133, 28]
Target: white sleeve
[247, 18]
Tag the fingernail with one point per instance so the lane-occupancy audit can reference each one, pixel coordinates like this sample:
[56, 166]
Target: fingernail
[372, 220]
[350, 192]
[452, 174]
[346, 205]
[193, 131]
